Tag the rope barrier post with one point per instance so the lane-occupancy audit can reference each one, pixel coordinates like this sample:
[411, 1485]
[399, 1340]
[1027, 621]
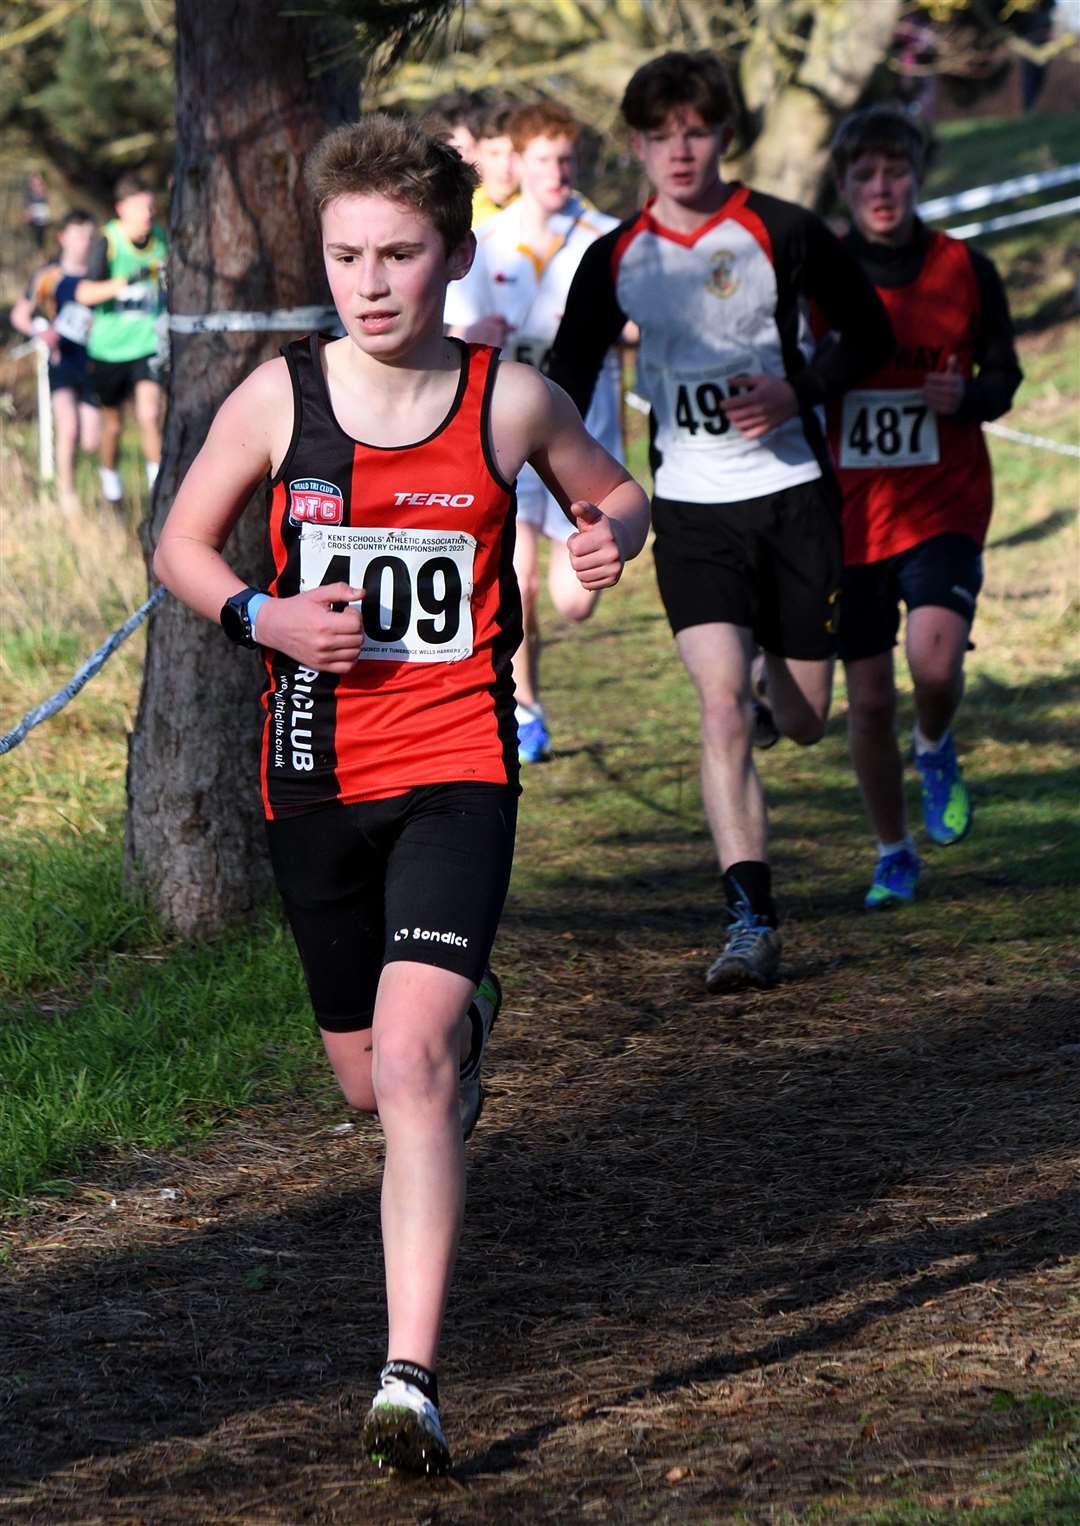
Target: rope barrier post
[46, 454]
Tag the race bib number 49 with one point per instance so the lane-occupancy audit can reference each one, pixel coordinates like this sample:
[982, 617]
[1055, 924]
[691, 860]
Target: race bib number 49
[418, 586]
[696, 401]
[888, 428]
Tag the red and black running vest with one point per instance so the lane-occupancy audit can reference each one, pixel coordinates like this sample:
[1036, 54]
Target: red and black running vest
[427, 531]
[908, 474]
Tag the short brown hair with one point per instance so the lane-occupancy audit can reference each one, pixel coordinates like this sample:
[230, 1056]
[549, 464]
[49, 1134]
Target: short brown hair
[542, 119]
[130, 185]
[674, 80]
[878, 130]
[391, 156]
[494, 120]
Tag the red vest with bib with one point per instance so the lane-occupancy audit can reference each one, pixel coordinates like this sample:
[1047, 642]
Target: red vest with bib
[908, 474]
[427, 531]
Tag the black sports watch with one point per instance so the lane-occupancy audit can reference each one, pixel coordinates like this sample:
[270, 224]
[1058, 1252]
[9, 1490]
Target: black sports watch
[236, 619]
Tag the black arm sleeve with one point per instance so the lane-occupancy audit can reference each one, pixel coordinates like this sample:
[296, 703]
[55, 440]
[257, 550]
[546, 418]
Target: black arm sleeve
[591, 323]
[989, 394]
[833, 279]
[97, 268]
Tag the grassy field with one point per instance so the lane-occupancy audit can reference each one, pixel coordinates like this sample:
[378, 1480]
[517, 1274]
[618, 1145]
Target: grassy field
[810, 1255]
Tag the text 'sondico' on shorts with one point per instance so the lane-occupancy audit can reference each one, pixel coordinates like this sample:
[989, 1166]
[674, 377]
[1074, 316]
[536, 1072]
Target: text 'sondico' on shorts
[771, 564]
[421, 876]
[945, 571]
[112, 382]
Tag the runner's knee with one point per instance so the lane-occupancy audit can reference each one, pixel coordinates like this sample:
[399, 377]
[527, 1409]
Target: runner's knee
[411, 1067]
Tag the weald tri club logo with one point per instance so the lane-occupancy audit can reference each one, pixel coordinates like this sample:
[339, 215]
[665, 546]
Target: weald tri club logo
[315, 502]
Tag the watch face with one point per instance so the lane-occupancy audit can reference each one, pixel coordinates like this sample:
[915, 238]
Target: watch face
[234, 623]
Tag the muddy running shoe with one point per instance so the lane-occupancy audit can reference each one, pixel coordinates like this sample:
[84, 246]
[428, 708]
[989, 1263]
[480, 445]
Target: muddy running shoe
[534, 740]
[483, 1011]
[403, 1429]
[895, 877]
[751, 955]
[947, 808]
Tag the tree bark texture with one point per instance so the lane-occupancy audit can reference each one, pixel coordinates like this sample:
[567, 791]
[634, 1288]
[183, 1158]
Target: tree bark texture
[799, 112]
[243, 237]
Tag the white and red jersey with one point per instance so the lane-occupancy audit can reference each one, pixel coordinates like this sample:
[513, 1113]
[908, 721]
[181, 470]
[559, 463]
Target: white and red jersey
[424, 530]
[909, 474]
[529, 287]
[728, 299]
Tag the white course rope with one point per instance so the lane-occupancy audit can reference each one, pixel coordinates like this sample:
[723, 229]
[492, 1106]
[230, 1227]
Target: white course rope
[1017, 219]
[86, 672]
[282, 320]
[1004, 190]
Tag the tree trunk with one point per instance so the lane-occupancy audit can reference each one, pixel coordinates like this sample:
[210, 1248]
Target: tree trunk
[847, 42]
[243, 237]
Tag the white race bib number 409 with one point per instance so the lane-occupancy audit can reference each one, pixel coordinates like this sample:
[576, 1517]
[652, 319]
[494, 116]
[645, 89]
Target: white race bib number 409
[418, 586]
[894, 427]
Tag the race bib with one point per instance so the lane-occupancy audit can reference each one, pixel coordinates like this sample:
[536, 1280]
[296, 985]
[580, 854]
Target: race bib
[418, 586]
[894, 427]
[530, 350]
[694, 403]
[73, 322]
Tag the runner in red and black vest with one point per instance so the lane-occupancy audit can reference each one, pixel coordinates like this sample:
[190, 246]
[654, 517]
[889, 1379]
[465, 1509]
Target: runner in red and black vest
[389, 758]
[915, 475]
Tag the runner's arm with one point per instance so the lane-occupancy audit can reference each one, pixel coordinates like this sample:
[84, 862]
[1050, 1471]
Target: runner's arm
[237, 455]
[534, 420]
[830, 276]
[591, 323]
[989, 394]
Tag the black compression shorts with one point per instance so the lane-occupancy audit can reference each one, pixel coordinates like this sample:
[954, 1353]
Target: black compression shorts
[771, 564]
[421, 876]
[112, 382]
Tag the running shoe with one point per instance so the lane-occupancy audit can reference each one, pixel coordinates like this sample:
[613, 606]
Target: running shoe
[403, 1429]
[765, 733]
[534, 741]
[947, 808]
[895, 877]
[483, 1011]
[751, 955]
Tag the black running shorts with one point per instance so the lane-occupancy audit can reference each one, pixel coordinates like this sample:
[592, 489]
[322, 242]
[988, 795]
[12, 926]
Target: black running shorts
[421, 876]
[771, 564]
[112, 382]
[945, 571]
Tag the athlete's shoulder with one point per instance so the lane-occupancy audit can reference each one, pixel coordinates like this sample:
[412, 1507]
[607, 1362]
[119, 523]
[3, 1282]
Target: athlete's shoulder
[783, 218]
[268, 387]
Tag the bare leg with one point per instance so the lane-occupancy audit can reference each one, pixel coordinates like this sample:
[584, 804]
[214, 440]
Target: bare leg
[350, 1056]
[800, 693]
[110, 437]
[718, 659]
[66, 425]
[936, 640]
[571, 600]
[148, 418]
[527, 656]
[872, 739]
[419, 1014]
[89, 428]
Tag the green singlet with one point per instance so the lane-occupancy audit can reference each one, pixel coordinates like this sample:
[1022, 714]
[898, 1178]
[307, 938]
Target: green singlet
[126, 328]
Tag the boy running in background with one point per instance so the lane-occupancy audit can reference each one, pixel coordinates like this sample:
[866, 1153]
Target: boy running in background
[495, 162]
[915, 475]
[124, 286]
[514, 296]
[389, 767]
[50, 310]
[746, 512]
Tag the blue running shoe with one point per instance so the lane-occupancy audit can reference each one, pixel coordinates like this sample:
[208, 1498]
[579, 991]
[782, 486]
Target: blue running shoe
[895, 877]
[947, 808]
[534, 742]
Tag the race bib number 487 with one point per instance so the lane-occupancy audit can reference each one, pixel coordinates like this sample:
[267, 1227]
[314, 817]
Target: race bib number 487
[418, 585]
[893, 427]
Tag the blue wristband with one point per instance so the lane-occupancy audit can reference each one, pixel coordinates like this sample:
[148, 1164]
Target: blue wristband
[255, 603]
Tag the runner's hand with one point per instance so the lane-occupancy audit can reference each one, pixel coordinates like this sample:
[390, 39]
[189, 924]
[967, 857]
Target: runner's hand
[944, 390]
[307, 628]
[596, 554]
[760, 404]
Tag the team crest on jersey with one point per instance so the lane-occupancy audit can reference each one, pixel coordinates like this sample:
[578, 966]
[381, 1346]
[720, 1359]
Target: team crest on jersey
[722, 281]
[315, 502]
